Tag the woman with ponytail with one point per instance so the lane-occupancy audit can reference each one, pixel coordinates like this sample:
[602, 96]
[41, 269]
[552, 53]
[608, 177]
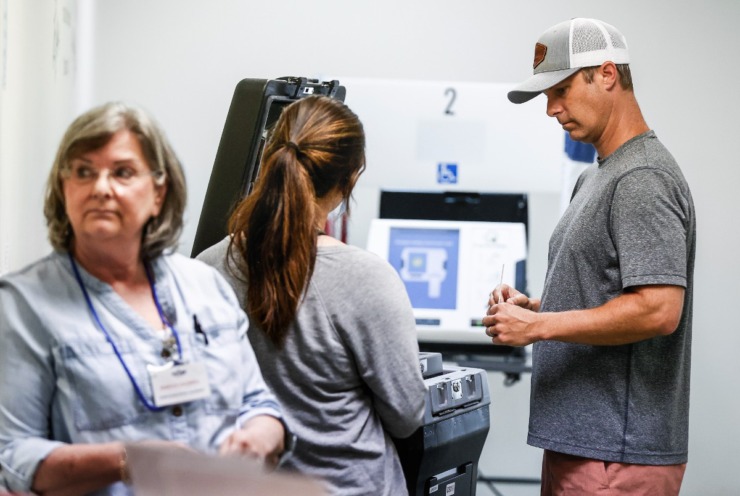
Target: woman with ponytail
[331, 324]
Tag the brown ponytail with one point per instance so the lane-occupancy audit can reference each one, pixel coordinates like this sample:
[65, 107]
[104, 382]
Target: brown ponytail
[316, 146]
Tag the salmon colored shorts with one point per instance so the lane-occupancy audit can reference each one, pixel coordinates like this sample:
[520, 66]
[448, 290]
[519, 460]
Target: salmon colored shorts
[568, 475]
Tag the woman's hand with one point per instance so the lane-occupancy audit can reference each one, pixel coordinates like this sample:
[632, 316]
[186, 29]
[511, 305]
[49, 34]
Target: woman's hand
[84, 468]
[261, 437]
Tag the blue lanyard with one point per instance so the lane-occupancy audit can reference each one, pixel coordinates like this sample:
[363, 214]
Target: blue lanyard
[139, 392]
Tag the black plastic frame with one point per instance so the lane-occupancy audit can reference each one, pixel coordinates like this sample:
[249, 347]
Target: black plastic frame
[255, 106]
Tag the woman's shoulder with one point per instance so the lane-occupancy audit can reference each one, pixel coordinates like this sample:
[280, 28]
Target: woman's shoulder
[353, 257]
[186, 266]
[192, 272]
[196, 276]
[215, 255]
[349, 264]
[46, 269]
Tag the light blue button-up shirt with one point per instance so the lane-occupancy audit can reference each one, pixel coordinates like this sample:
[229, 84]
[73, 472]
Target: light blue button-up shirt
[61, 382]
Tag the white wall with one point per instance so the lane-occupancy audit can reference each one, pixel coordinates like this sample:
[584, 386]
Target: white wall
[182, 58]
[37, 78]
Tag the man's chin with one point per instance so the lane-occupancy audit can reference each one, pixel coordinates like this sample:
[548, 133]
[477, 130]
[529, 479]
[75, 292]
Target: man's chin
[576, 136]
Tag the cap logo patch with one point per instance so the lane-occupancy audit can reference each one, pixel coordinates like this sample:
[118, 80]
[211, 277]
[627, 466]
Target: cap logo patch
[540, 51]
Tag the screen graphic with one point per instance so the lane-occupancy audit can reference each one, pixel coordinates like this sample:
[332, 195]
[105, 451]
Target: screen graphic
[427, 261]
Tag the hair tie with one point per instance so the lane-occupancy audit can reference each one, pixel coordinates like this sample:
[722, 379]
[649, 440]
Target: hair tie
[293, 146]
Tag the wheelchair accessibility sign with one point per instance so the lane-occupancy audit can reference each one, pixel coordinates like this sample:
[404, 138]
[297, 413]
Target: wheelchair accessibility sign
[446, 173]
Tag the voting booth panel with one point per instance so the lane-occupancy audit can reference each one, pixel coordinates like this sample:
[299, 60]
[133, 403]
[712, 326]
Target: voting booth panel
[452, 136]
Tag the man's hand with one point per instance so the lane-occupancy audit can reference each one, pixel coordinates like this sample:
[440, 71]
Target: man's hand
[504, 293]
[512, 325]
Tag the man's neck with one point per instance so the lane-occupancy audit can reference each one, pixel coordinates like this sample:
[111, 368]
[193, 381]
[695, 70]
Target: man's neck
[625, 122]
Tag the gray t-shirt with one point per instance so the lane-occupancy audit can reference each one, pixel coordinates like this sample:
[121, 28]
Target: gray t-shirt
[349, 374]
[631, 222]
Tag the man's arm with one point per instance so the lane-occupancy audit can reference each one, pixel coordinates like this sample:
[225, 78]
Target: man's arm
[640, 313]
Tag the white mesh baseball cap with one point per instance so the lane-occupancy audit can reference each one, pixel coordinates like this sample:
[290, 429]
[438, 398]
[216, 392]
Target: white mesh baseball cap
[567, 47]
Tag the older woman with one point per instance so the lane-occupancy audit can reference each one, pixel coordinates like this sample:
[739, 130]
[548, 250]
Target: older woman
[112, 338]
[334, 329]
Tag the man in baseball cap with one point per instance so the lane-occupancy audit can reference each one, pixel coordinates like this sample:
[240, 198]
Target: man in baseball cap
[612, 332]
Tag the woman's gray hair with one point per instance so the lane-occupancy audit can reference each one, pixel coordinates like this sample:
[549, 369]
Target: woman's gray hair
[93, 130]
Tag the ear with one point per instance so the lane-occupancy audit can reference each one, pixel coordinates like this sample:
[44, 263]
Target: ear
[609, 75]
[160, 193]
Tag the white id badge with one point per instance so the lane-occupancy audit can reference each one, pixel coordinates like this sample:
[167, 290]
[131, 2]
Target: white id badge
[179, 383]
